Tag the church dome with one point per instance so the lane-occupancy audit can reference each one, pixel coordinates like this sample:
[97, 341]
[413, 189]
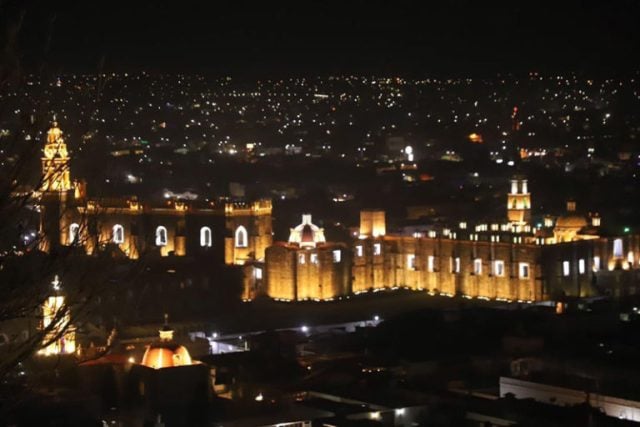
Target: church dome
[571, 221]
[166, 353]
[307, 234]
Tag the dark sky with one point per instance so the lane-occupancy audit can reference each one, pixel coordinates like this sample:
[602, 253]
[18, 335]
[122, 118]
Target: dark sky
[458, 37]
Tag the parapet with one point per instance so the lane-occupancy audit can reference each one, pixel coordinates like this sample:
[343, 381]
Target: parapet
[258, 207]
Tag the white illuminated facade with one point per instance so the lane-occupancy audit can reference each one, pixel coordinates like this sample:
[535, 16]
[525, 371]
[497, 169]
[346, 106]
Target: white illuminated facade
[306, 234]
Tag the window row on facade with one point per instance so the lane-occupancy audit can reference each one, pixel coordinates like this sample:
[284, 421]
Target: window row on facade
[161, 239]
[313, 257]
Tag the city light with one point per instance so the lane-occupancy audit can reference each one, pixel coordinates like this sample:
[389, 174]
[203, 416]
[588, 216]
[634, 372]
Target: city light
[246, 171]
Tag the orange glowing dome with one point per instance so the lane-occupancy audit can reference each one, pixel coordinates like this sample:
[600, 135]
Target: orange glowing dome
[571, 221]
[166, 355]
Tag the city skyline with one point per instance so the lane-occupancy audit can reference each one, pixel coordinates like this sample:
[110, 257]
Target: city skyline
[303, 214]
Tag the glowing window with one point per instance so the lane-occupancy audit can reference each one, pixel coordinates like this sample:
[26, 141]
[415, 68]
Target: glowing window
[74, 230]
[118, 234]
[498, 268]
[359, 250]
[617, 248]
[566, 268]
[431, 264]
[258, 272]
[161, 236]
[477, 266]
[596, 263]
[205, 237]
[314, 258]
[377, 249]
[581, 266]
[411, 262]
[241, 237]
[302, 259]
[455, 267]
[523, 270]
[337, 256]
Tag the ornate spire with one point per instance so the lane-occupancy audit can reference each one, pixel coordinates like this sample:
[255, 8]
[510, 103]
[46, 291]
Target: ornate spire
[55, 163]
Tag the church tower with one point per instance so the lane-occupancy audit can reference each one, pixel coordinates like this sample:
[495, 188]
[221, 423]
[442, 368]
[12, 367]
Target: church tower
[55, 191]
[55, 163]
[519, 202]
[249, 231]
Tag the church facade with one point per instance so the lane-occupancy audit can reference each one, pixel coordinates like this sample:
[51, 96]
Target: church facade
[510, 260]
[507, 260]
[307, 267]
[224, 231]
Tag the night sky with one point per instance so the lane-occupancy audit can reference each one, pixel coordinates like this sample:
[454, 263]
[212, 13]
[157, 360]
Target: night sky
[452, 37]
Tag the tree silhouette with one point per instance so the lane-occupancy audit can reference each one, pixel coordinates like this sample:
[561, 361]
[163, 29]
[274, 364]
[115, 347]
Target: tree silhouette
[26, 273]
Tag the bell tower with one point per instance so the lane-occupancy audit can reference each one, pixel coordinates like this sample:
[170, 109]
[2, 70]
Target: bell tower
[249, 231]
[56, 191]
[55, 163]
[519, 201]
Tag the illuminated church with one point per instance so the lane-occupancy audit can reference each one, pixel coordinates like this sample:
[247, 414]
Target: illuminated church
[307, 267]
[229, 232]
[509, 260]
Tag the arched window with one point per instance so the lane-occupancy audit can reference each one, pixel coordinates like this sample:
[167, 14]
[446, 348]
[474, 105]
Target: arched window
[617, 248]
[161, 236]
[74, 230]
[241, 237]
[205, 237]
[118, 234]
